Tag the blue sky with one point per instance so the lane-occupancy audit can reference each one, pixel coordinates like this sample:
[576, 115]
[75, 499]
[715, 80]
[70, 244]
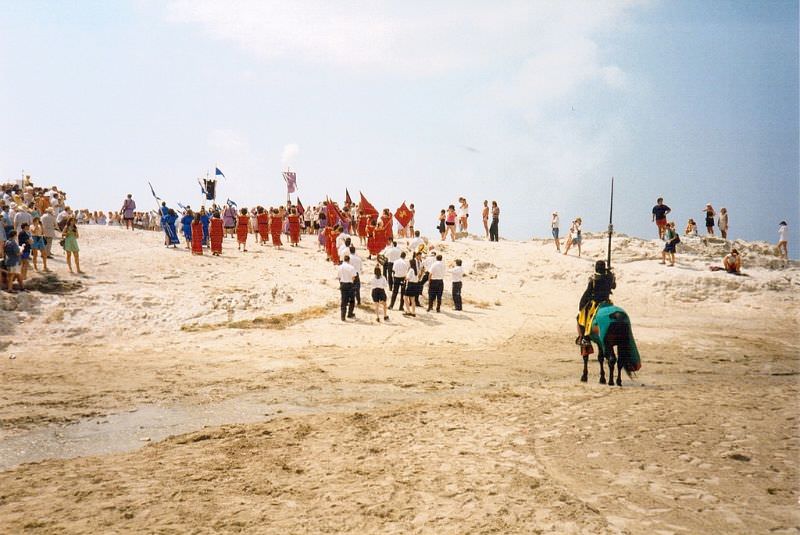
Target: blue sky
[533, 104]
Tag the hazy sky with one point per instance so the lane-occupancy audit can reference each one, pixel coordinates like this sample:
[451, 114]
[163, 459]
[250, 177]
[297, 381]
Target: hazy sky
[533, 104]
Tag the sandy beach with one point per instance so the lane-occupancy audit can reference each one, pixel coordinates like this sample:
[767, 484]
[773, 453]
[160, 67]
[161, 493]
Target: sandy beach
[166, 393]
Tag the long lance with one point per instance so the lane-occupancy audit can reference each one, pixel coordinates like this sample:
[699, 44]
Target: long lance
[610, 223]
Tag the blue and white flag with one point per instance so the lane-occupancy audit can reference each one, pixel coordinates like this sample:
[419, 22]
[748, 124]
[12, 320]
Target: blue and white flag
[231, 203]
[219, 173]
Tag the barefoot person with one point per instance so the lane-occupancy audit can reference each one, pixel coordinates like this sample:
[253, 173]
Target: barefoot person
[672, 240]
[128, 209]
[783, 239]
[70, 236]
[494, 231]
[39, 244]
[216, 233]
[554, 228]
[660, 211]
[12, 261]
[722, 223]
[463, 215]
[710, 213]
[485, 217]
[243, 228]
[379, 286]
[574, 236]
[450, 223]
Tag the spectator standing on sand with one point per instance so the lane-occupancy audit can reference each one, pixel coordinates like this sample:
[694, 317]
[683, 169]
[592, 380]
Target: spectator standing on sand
[457, 273]
[485, 217]
[494, 234]
[70, 235]
[48, 231]
[38, 244]
[660, 211]
[463, 214]
[128, 208]
[379, 286]
[554, 227]
[346, 274]
[450, 223]
[722, 223]
[12, 261]
[710, 213]
[441, 226]
[672, 240]
[574, 236]
[436, 283]
[783, 239]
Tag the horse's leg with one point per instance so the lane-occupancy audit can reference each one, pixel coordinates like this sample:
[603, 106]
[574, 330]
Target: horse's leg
[600, 360]
[612, 360]
[585, 376]
[619, 372]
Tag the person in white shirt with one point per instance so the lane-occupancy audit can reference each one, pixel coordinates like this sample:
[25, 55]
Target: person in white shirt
[783, 240]
[346, 274]
[463, 214]
[48, 231]
[457, 273]
[392, 254]
[21, 217]
[63, 217]
[344, 247]
[399, 271]
[357, 264]
[416, 242]
[342, 239]
[554, 227]
[436, 284]
[413, 287]
[379, 286]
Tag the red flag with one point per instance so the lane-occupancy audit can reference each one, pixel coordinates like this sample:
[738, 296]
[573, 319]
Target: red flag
[333, 213]
[366, 207]
[347, 200]
[300, 209]
[403, 215]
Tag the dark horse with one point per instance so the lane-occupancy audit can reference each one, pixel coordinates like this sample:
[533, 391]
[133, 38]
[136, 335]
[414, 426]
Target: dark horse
[611, 328]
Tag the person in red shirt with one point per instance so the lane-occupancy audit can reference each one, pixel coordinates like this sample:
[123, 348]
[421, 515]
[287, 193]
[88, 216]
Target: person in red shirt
[262, 220]
[275, 227]
[197, 235]
[294, 227]
[243, 228]
[216, 233]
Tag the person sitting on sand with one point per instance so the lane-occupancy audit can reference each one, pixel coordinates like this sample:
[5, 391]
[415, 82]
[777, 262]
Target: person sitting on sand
[691, 228]
[732, 263]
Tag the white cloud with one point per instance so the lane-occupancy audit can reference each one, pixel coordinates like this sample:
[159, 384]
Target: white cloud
[228, 142]
[289, 154]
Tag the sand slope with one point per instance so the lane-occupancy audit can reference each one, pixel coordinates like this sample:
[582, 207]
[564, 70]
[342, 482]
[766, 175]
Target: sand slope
[448, 423]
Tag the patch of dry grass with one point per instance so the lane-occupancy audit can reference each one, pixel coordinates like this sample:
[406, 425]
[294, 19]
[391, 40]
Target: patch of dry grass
[278, 321]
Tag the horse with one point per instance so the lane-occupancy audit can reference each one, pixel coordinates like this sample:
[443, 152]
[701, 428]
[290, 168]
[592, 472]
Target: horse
[611, 327]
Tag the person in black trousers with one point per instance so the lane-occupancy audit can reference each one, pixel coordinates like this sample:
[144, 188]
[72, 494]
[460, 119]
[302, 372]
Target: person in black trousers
[493, 231]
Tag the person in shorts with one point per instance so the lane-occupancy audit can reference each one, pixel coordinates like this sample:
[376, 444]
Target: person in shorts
[12, 261]
[660, 211]
[379, 285]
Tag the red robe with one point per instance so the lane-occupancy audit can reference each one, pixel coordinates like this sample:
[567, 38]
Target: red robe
[294, 228]
[363, 221]
[197, 237]
[334, 251]
[326, 232]
[263, 226]
[215, 234]
[275, 224]
[375, 238]
[243, 223]
[387, 228]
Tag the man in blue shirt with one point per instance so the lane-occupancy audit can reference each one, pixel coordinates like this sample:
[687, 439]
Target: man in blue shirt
[660, 211]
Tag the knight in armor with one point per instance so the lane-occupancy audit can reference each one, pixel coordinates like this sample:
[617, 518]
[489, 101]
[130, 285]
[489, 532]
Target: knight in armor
[598, 291]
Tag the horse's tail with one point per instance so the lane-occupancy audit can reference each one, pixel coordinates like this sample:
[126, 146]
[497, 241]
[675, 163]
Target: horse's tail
[620, 333]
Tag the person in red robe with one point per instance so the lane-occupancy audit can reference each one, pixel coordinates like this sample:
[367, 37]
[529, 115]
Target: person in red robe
[375, 237]
[335, 231]
[243, 228]
[361, 230]
[275, 228]
[262, 219]
[326, 239]
[216, 232]
[294, 227]
[197, 235]
[386, 218]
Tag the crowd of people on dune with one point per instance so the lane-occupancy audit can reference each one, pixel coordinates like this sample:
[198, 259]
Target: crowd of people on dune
[31, 219]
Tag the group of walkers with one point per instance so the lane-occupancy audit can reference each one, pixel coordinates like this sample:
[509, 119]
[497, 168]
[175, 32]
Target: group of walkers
[31, 219]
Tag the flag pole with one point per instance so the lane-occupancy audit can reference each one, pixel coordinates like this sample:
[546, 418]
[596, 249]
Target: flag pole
[610, 224]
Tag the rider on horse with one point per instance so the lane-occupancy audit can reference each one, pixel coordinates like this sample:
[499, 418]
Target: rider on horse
[598, 291]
